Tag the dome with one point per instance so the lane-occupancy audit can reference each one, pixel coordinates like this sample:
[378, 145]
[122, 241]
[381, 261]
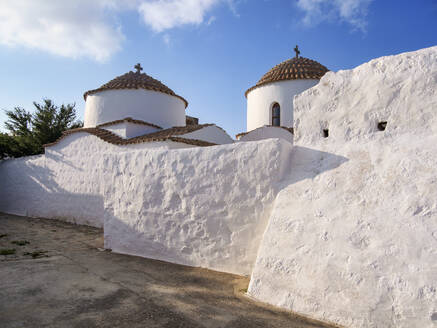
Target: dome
[136, 80]
[297, 68]
[137, 96]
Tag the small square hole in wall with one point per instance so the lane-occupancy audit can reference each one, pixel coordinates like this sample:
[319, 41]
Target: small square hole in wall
[325, 133]
[382, 126]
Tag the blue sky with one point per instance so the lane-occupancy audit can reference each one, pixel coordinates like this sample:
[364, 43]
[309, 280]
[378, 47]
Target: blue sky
[208, 51]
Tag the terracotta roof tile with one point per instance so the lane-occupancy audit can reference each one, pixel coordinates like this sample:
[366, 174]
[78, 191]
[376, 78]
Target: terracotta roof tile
[291, 130]
[135, 80]
[171, 134]
[292, 69]
[128, 119]
[178, 130]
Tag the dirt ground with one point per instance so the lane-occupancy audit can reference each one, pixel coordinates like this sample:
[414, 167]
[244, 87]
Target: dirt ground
[59, 276]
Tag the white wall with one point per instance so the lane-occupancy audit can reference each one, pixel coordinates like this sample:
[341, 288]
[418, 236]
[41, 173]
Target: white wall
[200, 206]
[261, 99]
[353, 237]
[267, 132]
[128, 130]
[150, 106]
[66, 183]
[65, 186]
[203, 207]
[397, 89]
[211, 133]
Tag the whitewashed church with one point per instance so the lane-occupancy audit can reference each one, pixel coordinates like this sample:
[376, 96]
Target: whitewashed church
[328, 201]
[135, 108]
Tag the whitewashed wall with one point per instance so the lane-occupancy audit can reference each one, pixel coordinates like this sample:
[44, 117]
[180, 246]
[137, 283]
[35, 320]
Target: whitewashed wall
[200, 206]
[66, 183]
[150, 106]
[203, 207]
[59, 185]
[353, 237]
[261, 100]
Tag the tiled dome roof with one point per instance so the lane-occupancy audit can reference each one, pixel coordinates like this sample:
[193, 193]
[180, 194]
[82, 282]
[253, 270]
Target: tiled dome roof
[292, 69]
[135, 80]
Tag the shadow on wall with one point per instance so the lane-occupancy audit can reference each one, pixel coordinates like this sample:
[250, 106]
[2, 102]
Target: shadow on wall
[307, 163]
[31, 188]
[24, 174]
[57, 158]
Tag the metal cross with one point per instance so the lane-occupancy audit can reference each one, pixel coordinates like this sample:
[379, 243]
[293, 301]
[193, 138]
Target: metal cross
[138, 68]
[296, 50]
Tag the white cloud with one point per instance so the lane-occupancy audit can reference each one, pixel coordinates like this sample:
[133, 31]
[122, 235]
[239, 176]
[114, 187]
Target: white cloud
[78, 28]
[89, 28]
[162, 15]
[352, 11]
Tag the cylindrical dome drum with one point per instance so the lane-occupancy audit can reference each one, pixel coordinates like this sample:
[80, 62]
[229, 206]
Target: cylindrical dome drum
[270, 101]
[137, 96]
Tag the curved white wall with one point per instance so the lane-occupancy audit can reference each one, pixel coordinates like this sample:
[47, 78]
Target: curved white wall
[261, 99]
[150, 106]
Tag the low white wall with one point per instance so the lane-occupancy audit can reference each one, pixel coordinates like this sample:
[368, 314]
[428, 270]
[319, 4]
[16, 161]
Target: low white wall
[203, 207]
[53, 186]
[353, 237]
[66, 183]
[150, 106]
[199, 206]
[261, 99]
[267, 132]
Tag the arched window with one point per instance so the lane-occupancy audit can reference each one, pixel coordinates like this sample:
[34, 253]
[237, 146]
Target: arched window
[276, 115]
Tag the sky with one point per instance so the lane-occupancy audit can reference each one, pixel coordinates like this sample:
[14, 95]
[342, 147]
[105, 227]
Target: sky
[208, 51]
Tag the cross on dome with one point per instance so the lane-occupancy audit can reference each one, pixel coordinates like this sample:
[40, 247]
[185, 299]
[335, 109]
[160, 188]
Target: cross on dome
[296, 50]
[138, 68]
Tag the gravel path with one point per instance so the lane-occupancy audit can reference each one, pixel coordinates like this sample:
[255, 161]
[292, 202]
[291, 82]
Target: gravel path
[59, 276]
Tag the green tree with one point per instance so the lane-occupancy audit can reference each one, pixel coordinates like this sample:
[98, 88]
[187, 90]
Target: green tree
[15, 146]
[49, 121]
[19, 122]
[7, 143]
[28, 132]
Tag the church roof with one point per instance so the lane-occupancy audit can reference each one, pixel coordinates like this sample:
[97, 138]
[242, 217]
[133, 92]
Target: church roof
[172, 134]
[292, 69]
[136, 80]
[130, 120]
[242, 134]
